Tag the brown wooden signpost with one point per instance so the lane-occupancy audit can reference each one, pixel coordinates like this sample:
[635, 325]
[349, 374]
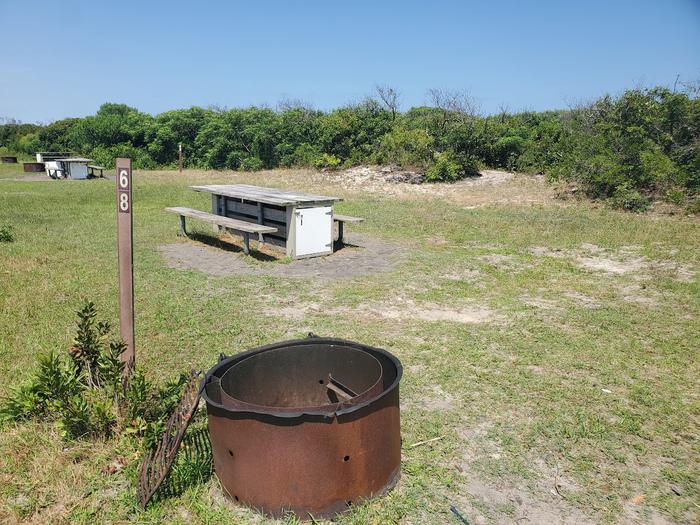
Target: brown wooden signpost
[125, 246]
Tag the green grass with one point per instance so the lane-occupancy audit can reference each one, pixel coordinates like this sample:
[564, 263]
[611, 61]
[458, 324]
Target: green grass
[526, 393]
[12, 171]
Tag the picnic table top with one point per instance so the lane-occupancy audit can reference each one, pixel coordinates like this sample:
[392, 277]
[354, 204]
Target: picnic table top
[265, 195]
[75, 159]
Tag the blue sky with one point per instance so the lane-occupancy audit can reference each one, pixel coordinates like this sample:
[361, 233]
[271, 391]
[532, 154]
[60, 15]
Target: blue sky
[65, 58]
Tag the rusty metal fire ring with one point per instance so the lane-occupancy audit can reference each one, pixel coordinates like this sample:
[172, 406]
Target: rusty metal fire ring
[307, 426]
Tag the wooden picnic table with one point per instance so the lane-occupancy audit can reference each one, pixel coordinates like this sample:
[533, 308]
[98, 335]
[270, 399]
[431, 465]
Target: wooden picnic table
[304, 221]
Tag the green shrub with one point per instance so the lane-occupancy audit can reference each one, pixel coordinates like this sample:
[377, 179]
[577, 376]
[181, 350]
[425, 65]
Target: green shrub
[252, 164]
[657, 168]
[325, 160]
[507, 150]
[675, 195]
[83, 393]
[468, 164]
[301, 156]
[105, 155]
[627, 198]
[646, 139]
[693, 206]
[88, 344]
[443, 170]
[7, 233]
[410, 148]
[54, 382]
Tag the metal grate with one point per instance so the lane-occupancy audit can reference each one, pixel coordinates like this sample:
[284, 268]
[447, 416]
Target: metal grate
[158, 461]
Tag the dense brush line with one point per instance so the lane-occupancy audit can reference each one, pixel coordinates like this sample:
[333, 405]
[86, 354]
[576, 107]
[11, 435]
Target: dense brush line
[643, 144]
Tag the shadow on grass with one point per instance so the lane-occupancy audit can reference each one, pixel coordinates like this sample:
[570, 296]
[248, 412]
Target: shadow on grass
[216, 242]
[193, 465]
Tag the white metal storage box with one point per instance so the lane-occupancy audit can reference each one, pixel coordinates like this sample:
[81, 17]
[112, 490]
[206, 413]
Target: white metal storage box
[313, 231]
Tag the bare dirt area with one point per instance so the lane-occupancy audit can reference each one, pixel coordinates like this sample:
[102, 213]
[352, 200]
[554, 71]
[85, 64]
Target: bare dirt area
[435, 398]
[400, 309]
[489, 500]
[362, 255]
[625, 261]
[407, 309]
[489, 187]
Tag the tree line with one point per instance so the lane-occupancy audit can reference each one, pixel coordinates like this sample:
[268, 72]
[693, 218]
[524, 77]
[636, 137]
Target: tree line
[643, 144]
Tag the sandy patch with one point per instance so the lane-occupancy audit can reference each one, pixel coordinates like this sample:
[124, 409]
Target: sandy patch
[639, 294]
[435, 398]
[466, 274]
[293, 312]
[503, 262]
[624, 261]
[485, 500]
[390, 179]
[609, 265]
[541, 303]
[582, 299]
[496, 259]
[398, 309]
[488, 188]
[405, 309]
[543, 251]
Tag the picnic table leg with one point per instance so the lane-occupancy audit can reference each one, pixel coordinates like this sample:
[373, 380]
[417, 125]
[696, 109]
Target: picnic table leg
[246, 243]
[216, 210]
[260, 220]
[183, 231]
[340, 233]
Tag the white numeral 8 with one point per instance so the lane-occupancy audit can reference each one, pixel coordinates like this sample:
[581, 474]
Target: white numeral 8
[123, 179]
[124, 201]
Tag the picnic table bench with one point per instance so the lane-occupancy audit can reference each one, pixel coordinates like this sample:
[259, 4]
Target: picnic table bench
[341, 220]
[92, 169]
[246, 228]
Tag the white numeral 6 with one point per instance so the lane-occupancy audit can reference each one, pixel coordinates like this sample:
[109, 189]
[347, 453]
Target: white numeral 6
[123, 179]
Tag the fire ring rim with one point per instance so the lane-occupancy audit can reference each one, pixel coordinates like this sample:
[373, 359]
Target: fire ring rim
[226, 362]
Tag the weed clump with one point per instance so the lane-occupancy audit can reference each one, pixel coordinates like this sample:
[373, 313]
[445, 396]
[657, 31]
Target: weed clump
[7, 233]
[83, 391]
[444, 169]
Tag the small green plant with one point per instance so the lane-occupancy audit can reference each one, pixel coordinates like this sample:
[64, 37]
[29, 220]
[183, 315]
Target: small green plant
[88, 344]
[406, 147]
[252, 164]
[676, 196]
[443, 170]
[83, 393]
[693, 207]
[324, 160]
[627, 198]
[7, 233]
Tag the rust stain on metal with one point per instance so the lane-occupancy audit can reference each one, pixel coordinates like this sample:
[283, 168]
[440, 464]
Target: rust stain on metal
[308, 426]
[158, 462]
